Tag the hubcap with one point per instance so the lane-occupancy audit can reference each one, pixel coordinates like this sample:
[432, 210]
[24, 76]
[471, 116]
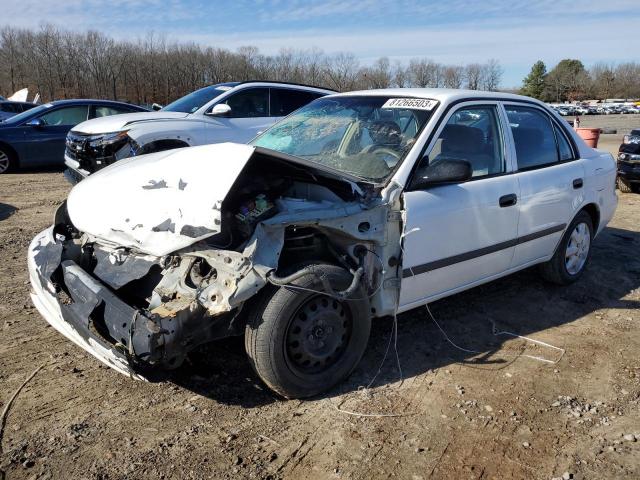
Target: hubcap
[318, 334]
[577, 249]
[4, 162]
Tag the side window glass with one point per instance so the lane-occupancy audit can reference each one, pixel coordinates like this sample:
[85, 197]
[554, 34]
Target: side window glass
[533, 137]
[102, 111]
[564, 149]
[65, 116]
[284, 101]
[249, 103]
[472, 134]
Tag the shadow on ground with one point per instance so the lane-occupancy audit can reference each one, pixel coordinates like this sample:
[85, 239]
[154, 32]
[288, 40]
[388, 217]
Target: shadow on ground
[521, 303]
[6, 211]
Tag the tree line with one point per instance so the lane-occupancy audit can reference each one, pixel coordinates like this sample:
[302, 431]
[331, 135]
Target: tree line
[61, 64]
[569, 80]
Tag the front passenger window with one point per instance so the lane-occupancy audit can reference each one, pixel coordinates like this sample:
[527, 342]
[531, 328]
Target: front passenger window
[65, 116]
[249, 103]
[472, 134]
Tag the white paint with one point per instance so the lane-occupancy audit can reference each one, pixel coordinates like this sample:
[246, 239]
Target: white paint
[113, 206]
[20, 95]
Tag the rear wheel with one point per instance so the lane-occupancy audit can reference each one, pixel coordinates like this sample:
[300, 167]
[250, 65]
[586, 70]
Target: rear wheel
[572, 256]
[7, 160]
[301, 343]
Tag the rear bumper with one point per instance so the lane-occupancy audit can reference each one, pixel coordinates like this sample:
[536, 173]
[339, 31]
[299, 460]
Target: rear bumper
[72, 319]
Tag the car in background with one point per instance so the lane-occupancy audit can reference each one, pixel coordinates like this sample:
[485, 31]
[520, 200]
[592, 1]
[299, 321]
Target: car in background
[629, 163]
[8, 108]
[226, 112]
[358, 205]
[37, 137]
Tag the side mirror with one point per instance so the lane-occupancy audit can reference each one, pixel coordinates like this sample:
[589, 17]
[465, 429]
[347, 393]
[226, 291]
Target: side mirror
[220, 110]
[156, 106]
[35, 122]
[443, 172]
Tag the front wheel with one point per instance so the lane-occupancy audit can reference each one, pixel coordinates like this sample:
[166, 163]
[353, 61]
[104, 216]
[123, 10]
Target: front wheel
[7, 160]
[572, 256]
[302, 342]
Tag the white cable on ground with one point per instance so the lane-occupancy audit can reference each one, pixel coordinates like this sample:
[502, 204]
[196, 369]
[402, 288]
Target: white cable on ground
[496, 333]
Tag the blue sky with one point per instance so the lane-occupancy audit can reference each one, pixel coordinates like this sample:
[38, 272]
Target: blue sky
[517, 33]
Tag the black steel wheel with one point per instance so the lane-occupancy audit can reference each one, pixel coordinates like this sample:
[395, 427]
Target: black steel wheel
[301, 342]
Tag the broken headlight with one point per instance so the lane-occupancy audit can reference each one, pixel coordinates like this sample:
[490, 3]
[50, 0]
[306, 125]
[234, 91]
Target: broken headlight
[109, 146]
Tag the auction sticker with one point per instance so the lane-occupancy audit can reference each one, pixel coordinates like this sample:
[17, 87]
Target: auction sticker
[411, 103]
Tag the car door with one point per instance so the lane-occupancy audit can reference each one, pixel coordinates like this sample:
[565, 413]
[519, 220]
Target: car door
[458, 235]
[550, 176]
[46, 142]
[249, 115]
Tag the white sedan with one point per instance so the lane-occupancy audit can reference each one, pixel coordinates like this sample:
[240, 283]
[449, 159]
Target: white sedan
[358, 205]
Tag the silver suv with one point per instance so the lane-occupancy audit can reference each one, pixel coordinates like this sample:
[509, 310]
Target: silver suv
[226, 112]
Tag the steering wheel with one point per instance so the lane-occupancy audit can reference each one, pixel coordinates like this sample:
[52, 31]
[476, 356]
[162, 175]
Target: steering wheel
[377, 150]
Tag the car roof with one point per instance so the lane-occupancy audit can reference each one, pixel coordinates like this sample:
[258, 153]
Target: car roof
[284, 84]
[443, 95]
[86, 101]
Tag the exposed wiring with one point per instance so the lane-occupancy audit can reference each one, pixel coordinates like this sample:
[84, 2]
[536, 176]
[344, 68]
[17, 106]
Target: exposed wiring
[496, 333]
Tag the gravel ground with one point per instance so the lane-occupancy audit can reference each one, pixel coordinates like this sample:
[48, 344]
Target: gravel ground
[498, 414]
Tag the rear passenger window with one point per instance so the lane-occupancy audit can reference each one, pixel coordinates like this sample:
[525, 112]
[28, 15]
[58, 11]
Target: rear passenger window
[284, 101]
[533, 136]
[472, 134]
[103, 111]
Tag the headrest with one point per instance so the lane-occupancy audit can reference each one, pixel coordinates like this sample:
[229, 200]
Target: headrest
[461, 139]
[527, 137]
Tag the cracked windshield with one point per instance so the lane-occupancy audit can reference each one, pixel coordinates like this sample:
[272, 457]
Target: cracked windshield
[363, 136]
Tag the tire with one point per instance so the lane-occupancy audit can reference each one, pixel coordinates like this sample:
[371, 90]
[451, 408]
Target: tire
[563, 269]
[635, 188]
[623, 186]
[8, 162]
[301, 343]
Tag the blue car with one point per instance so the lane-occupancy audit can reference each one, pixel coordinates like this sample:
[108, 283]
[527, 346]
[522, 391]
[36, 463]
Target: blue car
[37, 137]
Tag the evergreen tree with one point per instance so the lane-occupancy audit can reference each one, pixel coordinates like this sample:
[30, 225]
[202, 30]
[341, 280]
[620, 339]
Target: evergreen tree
[533, 85]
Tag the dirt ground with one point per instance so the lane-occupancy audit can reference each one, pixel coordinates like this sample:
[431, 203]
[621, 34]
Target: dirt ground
[451, 414]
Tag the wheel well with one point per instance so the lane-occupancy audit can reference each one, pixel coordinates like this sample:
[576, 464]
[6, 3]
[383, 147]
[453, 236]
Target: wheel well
[594, 213]
[161, 145]
[11, 151]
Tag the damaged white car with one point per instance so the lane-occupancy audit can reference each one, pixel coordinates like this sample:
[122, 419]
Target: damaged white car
[357, 206]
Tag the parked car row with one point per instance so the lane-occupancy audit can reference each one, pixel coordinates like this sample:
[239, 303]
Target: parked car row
[576, 110]
[355, 206]
[104, 131]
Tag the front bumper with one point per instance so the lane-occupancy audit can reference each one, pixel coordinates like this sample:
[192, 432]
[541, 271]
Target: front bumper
[74, 173]
[629, 171]
[68, 318]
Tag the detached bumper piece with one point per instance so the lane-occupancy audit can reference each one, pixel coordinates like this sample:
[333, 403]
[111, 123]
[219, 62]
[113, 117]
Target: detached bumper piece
[90, 313]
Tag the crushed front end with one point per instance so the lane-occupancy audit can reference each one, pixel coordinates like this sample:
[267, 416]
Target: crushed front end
[142, 274]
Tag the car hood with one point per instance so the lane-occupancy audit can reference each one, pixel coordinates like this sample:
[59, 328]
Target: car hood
[115, 123]
[161, 202]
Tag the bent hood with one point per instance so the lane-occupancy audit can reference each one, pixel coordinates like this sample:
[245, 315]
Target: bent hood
[115, 123]
[161, 202]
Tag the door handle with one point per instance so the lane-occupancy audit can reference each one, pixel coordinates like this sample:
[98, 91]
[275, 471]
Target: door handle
[508, 200]
[577, 183]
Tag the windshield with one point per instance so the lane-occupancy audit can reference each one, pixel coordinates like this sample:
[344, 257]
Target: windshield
[196, 100]
[363, 136]
[33, 112]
